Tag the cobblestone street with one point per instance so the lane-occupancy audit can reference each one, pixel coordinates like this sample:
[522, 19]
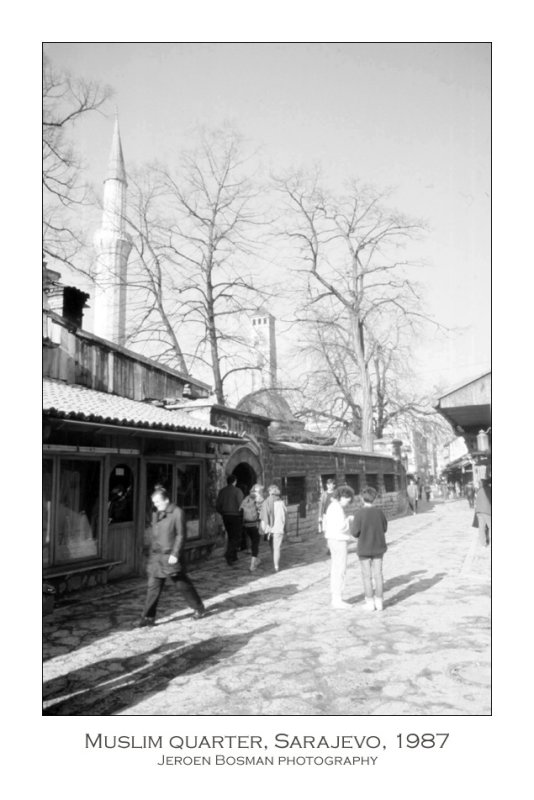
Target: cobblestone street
[271, 644]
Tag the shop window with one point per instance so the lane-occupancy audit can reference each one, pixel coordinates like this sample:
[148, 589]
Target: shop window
[354, 482]
[78, 510]
[182, 483]
[120, 495]
[156, 475]
[389, 483]
[188, 496]
[48, 472]
[294, 488]
[371, 479]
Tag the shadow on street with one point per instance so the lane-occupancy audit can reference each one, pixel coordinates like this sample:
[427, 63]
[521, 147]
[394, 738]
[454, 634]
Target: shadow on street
[421, 585]
[95, 693]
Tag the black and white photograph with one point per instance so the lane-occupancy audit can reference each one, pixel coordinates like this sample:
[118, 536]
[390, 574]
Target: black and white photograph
[267, 434]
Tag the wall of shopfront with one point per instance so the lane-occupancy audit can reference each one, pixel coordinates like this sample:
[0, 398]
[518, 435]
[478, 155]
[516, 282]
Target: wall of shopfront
[97, 508]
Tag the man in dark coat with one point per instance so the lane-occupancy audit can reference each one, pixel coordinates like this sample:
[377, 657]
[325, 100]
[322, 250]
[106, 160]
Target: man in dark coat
[228, 505]
[166, 558]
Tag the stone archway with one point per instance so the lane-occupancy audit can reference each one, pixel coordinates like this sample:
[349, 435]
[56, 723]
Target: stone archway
[246, 477]
[246, 466]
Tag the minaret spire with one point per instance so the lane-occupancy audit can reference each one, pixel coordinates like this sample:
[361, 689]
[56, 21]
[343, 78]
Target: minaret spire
[116, 170]
[113, 245]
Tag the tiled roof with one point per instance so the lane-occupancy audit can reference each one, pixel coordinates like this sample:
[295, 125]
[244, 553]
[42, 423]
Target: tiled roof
[70, 401]
[281, 446]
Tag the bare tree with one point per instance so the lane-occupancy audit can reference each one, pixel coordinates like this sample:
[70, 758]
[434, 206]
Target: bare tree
[197, 231]
[66, 100]
[153, 296]
[328, 396]
[350, 249]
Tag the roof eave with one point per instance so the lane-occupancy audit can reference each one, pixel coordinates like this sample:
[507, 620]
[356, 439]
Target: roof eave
[144, 430]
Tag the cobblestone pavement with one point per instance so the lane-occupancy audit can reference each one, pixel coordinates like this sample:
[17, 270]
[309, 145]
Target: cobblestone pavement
[271, 644]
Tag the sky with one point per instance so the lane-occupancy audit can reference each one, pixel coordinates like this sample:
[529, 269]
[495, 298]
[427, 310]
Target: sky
[413, 117]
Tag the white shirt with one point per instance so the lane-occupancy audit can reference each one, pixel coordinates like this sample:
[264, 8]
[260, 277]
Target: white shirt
[279, 516]
[336, 524]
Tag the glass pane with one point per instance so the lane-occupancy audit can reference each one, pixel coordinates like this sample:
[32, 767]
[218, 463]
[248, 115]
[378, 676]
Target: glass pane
[156, 475]
[78, 509]
[354, 482]
[389, 483]
[48, 468]
[371, 479]
[296, 492]
[121, 489]
[188, 496]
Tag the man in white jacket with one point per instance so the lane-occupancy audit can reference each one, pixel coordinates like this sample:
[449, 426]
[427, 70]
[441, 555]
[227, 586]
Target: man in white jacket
[337, 533]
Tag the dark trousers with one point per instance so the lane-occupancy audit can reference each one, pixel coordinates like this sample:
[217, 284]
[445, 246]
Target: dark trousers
[183, 583]
[254, 536]
[233, 525]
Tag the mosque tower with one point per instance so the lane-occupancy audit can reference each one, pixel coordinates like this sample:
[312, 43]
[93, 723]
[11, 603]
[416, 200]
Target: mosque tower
[112, 244]
[264, 342]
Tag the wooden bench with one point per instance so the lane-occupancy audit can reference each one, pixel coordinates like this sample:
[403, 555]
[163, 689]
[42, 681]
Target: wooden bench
[66, 572]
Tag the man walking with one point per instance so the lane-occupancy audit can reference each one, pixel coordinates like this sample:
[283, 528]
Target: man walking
[166, 558]
[228, 505]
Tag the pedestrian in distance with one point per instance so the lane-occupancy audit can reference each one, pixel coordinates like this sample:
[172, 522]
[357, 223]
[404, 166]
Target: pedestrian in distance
[483, 512]
[337, 533]
[470, 494]
[370, 526]
[413, 496]
[166, 559]
[274, 521]
[228, 505]
[251, 525]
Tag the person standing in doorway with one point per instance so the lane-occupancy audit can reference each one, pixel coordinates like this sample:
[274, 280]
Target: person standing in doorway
[370, 526]
[413, 496]
[228, 505]
[166, 558]
[337, 533]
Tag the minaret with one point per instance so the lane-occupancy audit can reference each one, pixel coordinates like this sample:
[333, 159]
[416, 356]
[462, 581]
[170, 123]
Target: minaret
[264, 339]
[113, 245]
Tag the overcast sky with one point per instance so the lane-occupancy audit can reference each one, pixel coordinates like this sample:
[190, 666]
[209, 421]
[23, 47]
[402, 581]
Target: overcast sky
[411, 116]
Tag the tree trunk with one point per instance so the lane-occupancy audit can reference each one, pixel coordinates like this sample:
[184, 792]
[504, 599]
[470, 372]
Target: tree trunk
[367, 394]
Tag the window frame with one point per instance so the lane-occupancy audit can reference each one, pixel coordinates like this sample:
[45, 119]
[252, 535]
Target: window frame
[175, 463]
[56, 459]
[302, 503]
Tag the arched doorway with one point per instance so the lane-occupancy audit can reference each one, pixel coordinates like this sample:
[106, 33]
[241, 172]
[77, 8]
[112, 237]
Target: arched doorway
[246, 466]
[246, 477]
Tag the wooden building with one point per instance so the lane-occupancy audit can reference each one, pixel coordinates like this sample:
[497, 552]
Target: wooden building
[108, 439]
